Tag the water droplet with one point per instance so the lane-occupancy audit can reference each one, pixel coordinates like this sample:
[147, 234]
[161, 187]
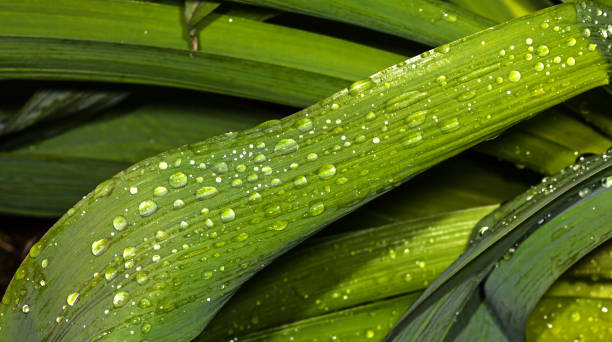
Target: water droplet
[584, 192]
[129, 252]
[592, 47]
[110, 273]
[285, 146]
[72, 298]
[221, 167]
[260, 158]
[163, 165]
[417, 118]
[206, 192]
[119, 223]
[408, 277]
[404, 100]
[146, 208]
[571, 61]
[161, 235]
[99, 246]
[300, 181]
[450, 17]
[557, 60]
[312, 157]
[360, 86]
[144, 303]
[369, 333]
[586, 33]
[542, 50]
[44, 263]
[317, 209]
[571, 42]
[468, 95]
[279, 225]
[514, 76]
[25, 308]
[241, 237]
[449, 125]
[539, 66]
[178, 180]
[120, 299]
[228, 215]
[160, 191]
[142, 277]
[303, 125]
[413, 139]
[370, 116]
[254, 196]
[105, 188]
[236, 183]
[327, 171]
[528, 41]
[35, 250]
[607, 182]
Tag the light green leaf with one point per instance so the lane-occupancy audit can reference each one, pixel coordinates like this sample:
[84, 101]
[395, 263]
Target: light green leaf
[502, 10]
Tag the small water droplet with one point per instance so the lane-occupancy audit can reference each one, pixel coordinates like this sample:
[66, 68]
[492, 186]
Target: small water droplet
[468, 95]
[25, 308]
[119, 223]
[417, 118]
[449, 125]
[303, 125]
[413, 139]
[160, 191]
[300, 181]
[571, 61]
[539, 66]
[241, 237]
[221, 167]
[105, 188]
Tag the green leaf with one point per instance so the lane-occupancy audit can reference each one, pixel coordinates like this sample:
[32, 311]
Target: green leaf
[240, 56]
[55, 103]
[547, 143]
[430, 22]
[346, 270]
[195, 12]
[47, 178]
[502, 10]
[433, 314]
[593, 107]
[231, 204]
[574, 230]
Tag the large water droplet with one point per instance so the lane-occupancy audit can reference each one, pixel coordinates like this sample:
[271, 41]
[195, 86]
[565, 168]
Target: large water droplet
[105, 188]
[542, 50]
[72, 298]
[206, 192]
[300, 181]
[316, 209]
[119, 223]
[360, 86]
[221, 167]
[285, 146]
[404, 100]
[228, 215]
[417, 118]
[120, 299]
[304, 125]
[413, 139]
[327, 171]
[449, 125]
[129, 252]
[514, 76]
[99, 246]
[178, 180]
[146, 208]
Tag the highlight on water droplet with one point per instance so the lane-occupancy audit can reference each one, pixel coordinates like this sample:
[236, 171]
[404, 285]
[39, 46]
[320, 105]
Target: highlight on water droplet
[147, 208]
[178, 180]
[72, 298]
[25, 308]
[285, 146]
[99, 246]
